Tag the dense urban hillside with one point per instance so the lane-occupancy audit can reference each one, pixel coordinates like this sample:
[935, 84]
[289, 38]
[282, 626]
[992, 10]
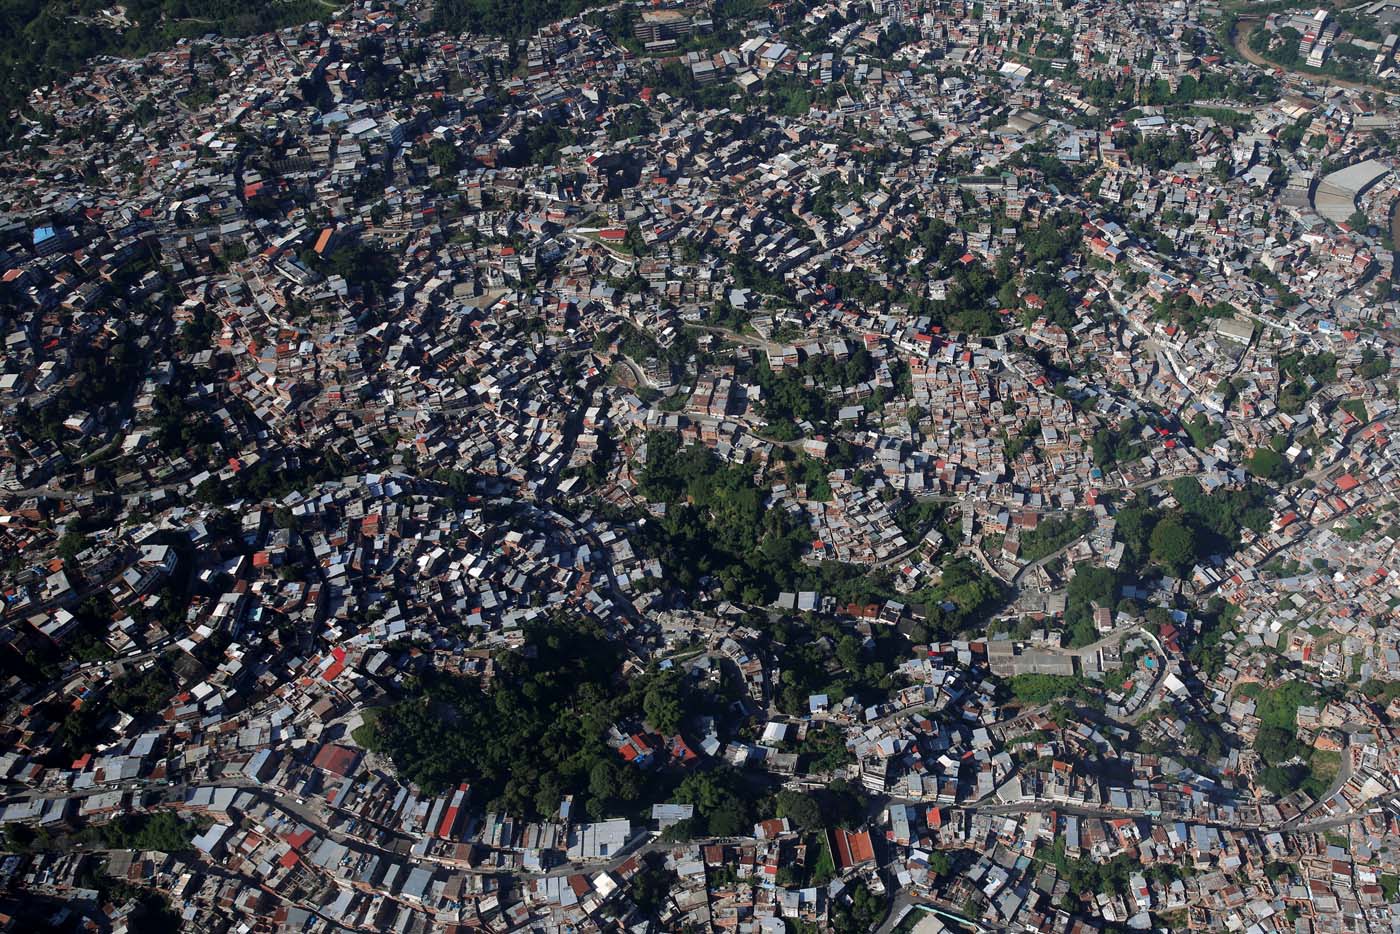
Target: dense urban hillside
[759, 466]
[44, 40]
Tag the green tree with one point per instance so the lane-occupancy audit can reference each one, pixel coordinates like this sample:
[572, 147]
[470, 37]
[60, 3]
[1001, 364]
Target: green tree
[536, 734]
[71, 544]
[662, 703]
[1091, 586]
[722, 799]
[444, 155]
[1276, 745]
[802, 810]
[860, 915]
[603, 780]
[163, 832]
[1173, 545]
[652, 884]
[1282, 780]
[845, 804]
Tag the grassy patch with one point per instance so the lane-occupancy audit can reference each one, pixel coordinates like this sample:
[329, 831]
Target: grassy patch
[1054, 533]
[1325, 765]
[364, 735]
[675, 402]
[617, 246]
[824, 869]
[1279, 707]
[1041, 689]
[1356, 407]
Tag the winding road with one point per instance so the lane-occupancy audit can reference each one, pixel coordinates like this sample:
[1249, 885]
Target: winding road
[1244, 27]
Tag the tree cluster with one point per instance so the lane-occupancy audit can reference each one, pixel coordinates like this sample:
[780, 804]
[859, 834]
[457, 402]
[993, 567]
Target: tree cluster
[536, 735]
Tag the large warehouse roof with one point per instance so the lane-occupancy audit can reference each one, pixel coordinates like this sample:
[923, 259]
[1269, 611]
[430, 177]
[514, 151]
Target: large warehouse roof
[1336, 194]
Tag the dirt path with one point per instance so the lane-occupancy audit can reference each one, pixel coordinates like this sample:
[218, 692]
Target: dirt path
[1244, 28]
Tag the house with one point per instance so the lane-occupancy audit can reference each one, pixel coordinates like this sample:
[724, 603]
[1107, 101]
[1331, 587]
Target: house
[338, 760]
[602, 840]
[851, 849]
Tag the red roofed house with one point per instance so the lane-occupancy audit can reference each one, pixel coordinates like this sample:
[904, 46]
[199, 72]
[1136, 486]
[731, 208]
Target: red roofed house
[852, 850]
[338, 760]
[300, 838]
[681, 753]
[336, 664]
[637, 750]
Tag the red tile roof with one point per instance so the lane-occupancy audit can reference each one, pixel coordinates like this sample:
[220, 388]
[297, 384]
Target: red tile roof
[852, 849]
[339, 760]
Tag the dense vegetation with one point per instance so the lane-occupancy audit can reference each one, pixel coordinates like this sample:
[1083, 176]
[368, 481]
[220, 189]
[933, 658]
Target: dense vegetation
[1288, 765]
[1305, 374]
[105, 375]
[1171, 541]
[538, 732]
[862, 913]
[1118, 444]
[1088, 878]
[820, 657]
[715, 524]
[1346, 60]
[1204, 524]
[516, 18]
[162, 831]
[1091, 588]
[1037, 689]
[724, 804]
[1192, 317]
[534, 736]
[364, 266]
[961, 600]
[144, 692]
[1054, 533]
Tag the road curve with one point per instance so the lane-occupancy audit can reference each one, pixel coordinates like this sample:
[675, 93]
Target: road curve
[1244, 27]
